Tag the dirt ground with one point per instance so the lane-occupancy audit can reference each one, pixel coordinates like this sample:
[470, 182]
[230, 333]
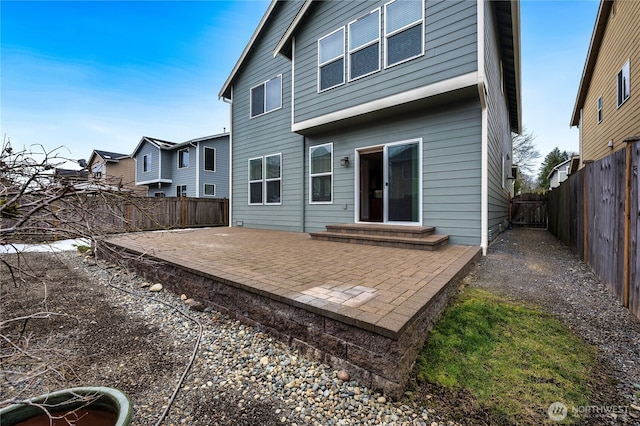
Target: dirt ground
[84, 336]
[81, 335]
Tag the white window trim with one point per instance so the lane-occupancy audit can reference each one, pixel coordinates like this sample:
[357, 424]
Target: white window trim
[599, 115]
[264, 83]
[279, 178]
[357, 49]
[344, 62]
[215, 157]
[399, 30]
[204, 190]
[178, 158]
[146, 158]
[312, 175]
[263, 180]
[624, 72]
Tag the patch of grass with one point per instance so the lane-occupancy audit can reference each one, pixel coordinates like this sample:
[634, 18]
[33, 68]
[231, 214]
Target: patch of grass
[514, 359]
[82, 248]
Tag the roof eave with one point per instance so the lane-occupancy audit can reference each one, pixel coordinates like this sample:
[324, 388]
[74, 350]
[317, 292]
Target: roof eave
[283, 46]
[592, 55]
[225, 92]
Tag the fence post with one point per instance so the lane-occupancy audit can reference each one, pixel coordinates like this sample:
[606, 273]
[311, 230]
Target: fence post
[183, 210]
[225, 212]
[627, 219]
[585, 201]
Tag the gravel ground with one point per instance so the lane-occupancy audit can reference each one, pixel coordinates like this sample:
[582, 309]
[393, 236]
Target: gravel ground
[533, 266]
[241, 376]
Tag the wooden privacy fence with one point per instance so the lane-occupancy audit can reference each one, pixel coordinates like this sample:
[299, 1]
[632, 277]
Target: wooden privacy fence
[145, 214]
[109, 213]
[529, 210]
[596, 212]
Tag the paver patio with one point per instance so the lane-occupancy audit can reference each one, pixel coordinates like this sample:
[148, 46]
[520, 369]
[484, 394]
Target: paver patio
[331, 300]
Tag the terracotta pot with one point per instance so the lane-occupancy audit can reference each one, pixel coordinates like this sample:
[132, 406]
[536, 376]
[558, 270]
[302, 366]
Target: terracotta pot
[111, 408]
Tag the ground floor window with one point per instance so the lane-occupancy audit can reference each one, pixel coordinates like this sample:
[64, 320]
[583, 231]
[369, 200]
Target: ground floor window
[209, 189]
[265, 179]
[181, 191]
[321, 174]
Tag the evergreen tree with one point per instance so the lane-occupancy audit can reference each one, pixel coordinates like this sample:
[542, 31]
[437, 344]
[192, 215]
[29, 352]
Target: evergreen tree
[552, 159]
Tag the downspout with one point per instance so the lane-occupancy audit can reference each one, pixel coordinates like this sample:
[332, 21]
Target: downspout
[230, 204]
[197, 168]
[484, 174]
[303, 212]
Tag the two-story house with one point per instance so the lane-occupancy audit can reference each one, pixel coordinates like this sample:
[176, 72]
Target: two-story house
[386, 112]
[113, 169]
[607, 108]
[195, 168]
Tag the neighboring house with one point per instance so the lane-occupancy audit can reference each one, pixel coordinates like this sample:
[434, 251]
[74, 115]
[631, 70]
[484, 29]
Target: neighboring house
[61, 175]
[607, 108]
[113, 169]
[195, 168]
[393, 112]
[559, 174]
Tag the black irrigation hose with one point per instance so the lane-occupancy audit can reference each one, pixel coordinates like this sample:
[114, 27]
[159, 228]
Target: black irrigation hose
[193, 355]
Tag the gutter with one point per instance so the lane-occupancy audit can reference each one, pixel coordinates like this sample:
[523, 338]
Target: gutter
[484, 174]
[230, 204]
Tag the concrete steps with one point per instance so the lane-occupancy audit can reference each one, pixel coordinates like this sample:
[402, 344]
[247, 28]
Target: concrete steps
[398, 236]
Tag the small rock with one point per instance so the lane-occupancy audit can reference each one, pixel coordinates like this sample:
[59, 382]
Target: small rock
[183, 296]
[187, 301]
[145, 284]
[194, 305]
[382, 400]
[635, 407]
[264, 361]
[343, 375]
[156, 288]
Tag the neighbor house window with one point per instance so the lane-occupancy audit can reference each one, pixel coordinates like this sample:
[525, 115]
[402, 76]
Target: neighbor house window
[266, 96]
[623, 84]
[331, 60]
[146, 162]
[183, 158]
[209, 189]
[97, 171]
[158, 194]
[209, 159]
[403, 31]
[181, 191]
[599, 108]
[321, 173]
[364, 45]
[265, 179]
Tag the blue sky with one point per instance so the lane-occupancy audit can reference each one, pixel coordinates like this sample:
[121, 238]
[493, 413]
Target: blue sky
[100, 75]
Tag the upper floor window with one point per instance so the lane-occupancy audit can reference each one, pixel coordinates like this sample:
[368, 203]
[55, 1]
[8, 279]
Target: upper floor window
[331, 60]
[266, 97]
[183, 158]
[209, 159]
[403, 31]
[146, 162]
[364, 45]
[265, 179]
[599, 109]
[321, 173]
[623, 84]
[97, 171]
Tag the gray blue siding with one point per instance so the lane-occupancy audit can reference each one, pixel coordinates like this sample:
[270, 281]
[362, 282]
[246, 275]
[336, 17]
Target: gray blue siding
[267, 134]
[451, 165]
[499, 132]
[450, 51]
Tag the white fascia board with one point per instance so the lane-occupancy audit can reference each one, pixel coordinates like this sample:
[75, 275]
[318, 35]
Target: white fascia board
[466, 80]
[149, 182]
